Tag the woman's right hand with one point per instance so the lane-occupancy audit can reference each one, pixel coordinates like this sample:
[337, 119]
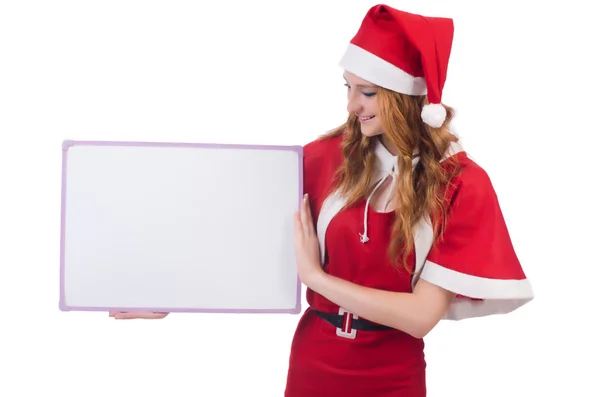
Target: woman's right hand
[137, 315]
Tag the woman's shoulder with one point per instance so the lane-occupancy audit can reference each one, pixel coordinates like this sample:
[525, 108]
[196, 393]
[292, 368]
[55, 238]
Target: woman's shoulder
[323, 154]
[322, 158]
[326, 146]
[472, 181]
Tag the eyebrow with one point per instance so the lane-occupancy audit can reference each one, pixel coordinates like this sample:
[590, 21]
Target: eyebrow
[362, 85]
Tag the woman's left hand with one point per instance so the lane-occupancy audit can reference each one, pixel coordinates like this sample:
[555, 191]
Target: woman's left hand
[307, 245]
[132, 315]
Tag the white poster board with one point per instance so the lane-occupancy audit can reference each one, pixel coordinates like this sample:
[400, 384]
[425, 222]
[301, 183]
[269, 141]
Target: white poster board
[177, 227]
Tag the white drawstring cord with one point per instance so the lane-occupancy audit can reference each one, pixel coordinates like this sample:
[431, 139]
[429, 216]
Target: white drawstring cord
[363, 236]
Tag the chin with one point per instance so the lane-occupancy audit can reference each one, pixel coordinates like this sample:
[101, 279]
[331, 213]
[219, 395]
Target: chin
[370, 132]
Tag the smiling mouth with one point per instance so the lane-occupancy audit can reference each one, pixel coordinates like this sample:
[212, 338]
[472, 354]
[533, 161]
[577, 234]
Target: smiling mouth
[365, 119]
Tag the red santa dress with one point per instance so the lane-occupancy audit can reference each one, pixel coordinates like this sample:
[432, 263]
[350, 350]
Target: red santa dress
[475, 260]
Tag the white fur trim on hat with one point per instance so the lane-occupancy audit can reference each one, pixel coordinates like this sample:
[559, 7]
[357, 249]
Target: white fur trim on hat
[378, 71]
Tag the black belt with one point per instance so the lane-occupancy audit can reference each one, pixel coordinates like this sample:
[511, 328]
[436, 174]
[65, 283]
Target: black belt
[337, 320]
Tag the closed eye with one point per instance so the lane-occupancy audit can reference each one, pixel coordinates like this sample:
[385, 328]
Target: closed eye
[367, 93]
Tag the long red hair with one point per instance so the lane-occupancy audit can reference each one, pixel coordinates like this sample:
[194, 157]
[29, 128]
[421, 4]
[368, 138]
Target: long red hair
[420, 192]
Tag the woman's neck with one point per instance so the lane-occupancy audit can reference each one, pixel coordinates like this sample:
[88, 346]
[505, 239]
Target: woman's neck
[388, 145]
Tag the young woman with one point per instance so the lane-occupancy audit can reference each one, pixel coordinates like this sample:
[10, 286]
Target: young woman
[399, 228]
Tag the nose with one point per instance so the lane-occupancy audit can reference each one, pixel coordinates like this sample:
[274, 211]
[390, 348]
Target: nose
[354, 105]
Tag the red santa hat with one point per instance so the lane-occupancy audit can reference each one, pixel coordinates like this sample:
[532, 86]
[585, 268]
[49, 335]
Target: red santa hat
[403, 52]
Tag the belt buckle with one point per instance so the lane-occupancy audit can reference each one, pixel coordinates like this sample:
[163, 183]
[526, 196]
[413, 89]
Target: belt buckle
[346, 330]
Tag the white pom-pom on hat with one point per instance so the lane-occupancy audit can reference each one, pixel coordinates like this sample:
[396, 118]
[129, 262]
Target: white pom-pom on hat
[434, 114]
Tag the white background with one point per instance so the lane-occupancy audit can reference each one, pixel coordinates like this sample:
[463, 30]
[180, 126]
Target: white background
[522, 78]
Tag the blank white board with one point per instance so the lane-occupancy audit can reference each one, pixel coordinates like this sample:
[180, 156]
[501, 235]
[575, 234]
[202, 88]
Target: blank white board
[179, 227]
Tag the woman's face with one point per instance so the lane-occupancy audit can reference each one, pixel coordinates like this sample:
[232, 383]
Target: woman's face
[362, 102]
